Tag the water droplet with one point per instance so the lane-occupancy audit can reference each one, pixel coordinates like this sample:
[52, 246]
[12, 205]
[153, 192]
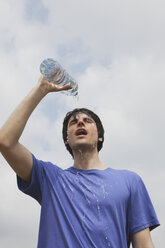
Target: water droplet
[107, 241]
[76, 97]
[81, 154]
[70, 188]
[98, 207]
[86, 198]
[104, 191]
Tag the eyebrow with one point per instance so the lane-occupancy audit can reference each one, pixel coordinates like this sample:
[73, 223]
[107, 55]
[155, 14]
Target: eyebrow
[76, 119]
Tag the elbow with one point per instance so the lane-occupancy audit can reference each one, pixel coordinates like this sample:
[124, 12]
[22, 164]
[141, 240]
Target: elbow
[5, 144]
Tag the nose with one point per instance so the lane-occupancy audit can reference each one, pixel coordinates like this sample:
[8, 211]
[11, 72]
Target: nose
[80, 123]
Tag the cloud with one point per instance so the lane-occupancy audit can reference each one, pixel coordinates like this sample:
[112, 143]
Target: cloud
[35, 12]
[129, 97]
[115, 50]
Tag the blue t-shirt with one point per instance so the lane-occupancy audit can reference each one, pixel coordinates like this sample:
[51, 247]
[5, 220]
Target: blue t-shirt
[88, 208]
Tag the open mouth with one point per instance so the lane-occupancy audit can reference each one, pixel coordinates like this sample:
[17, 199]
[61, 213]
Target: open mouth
[81, 132]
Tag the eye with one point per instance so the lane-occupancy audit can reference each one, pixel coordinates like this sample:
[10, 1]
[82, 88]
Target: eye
[88, 120]
[74, 121]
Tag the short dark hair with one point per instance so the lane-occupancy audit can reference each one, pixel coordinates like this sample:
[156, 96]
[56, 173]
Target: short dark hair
[90, 113]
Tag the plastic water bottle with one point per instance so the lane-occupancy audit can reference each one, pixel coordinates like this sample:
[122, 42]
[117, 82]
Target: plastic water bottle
[54, 73]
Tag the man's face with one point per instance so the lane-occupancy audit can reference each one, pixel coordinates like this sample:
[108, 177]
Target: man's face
[82, 132]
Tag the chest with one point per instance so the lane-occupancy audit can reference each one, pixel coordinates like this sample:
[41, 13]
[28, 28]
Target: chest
[93, 206]
[98, 195]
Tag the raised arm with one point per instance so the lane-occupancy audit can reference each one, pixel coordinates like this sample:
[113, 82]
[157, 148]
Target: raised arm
[19, 157]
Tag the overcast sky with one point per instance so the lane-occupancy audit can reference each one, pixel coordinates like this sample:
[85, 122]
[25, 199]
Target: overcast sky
[115, 50]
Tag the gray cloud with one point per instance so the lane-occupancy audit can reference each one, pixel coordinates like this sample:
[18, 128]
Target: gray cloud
[115, 50]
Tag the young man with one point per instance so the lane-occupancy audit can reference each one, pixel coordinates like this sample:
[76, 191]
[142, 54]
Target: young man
[88, 204]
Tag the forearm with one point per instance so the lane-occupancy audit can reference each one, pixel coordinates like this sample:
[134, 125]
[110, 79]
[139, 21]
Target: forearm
[14, 126]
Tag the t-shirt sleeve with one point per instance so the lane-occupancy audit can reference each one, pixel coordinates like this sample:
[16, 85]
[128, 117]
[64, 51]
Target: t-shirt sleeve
[141, 213]
[34, 188]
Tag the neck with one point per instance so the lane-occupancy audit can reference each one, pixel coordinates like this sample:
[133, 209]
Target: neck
[87, 160]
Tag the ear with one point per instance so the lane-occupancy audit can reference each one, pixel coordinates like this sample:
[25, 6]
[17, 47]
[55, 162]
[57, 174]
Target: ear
[66, 142]
[100, 139]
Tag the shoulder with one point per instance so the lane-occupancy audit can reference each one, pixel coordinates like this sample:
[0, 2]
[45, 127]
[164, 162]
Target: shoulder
[46, 166]
[128, 177]
[126, 174]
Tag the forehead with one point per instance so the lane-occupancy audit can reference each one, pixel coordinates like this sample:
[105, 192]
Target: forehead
[80, 116]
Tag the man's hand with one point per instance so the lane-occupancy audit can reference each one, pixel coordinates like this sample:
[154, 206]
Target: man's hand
[51, 87]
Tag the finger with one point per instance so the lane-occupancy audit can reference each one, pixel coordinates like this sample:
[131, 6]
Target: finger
[65, 87]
